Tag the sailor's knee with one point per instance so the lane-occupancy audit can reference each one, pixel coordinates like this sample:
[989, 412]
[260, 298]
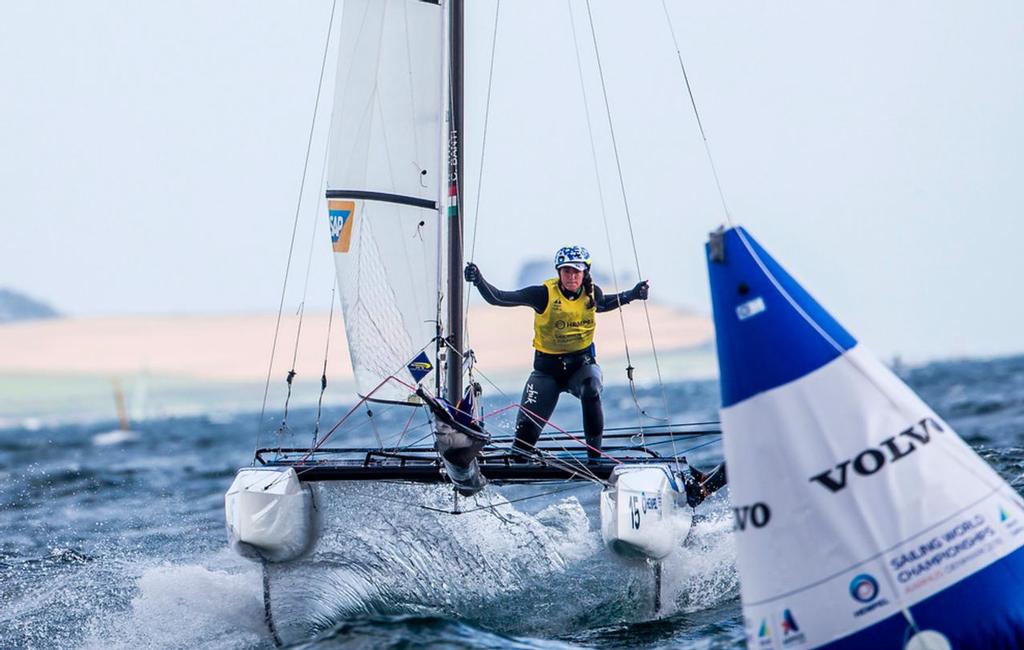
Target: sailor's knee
[590, 389]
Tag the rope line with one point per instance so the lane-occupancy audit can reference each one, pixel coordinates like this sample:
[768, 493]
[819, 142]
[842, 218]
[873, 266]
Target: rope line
[905, 609]
[323, 377]
[696, 114]
[295, 223]
[538, 418]
[604, 212]
[629, 221]
[483, 148]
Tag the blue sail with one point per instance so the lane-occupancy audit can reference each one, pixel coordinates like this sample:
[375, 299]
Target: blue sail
[862, 519]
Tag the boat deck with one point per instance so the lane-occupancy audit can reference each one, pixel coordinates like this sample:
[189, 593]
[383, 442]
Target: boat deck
[498, 462]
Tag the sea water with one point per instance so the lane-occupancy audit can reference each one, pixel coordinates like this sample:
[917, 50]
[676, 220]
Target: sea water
[116, 540]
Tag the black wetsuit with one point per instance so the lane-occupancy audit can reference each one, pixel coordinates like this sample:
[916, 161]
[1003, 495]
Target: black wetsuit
[575, 372]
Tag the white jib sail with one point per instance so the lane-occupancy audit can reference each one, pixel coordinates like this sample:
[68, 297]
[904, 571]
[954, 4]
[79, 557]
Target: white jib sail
[383, 185]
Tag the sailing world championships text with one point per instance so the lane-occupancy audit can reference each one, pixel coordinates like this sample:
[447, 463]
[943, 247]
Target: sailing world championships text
[939, 549]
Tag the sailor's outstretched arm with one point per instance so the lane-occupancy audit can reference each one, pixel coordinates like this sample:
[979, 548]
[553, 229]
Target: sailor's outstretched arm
[607, 302]
[534, 296]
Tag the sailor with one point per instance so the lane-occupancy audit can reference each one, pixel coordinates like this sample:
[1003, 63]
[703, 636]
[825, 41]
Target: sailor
[564, 359]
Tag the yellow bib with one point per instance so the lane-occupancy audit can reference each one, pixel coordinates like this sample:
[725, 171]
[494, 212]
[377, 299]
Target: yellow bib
[565, 325]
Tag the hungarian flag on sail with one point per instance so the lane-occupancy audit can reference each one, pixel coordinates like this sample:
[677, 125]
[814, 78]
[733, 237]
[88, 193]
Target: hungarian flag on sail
[862, 520]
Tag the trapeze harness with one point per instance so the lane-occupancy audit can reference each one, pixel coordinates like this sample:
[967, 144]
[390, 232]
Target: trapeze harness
[564, 359]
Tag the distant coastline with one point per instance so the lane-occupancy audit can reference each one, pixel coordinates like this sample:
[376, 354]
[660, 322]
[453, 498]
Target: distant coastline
[64, 367]
[16, 306]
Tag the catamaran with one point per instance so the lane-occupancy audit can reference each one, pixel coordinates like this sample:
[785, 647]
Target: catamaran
[394, 196]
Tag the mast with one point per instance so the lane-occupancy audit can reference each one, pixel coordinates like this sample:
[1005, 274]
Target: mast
[455, 259]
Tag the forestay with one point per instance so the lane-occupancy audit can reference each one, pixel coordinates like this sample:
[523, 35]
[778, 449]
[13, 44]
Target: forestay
[862, 519]
[384, 175]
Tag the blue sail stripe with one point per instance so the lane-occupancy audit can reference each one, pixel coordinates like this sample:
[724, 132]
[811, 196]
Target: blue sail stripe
[763, 341]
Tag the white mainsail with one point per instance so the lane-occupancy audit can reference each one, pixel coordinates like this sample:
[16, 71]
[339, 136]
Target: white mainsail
[862, 519]
[383, 184]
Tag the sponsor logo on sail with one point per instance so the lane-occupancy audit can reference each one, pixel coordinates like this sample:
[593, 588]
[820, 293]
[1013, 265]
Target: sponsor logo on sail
[750, 308]
[864, 590]
[420, 367]
[791, 634]
[764, 634]
[1008, 517]
[789, 625]
[341, 215]
[757, 516]
[874, 459]
[944, 553]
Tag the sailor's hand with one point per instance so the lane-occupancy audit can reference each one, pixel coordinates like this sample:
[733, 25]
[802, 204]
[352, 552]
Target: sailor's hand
[641, 290]
[472, 273]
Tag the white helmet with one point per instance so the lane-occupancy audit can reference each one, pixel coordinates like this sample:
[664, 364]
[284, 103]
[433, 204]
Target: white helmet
[574, 256]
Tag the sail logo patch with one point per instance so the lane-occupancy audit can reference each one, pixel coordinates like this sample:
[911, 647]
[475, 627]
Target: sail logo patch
[420, 367]
[341, 215]
[944, 553]
[791, 634]
[871, 460]
[864, 590]
[789, 625]
[757, 515]
[1010, 522]
[750, 308]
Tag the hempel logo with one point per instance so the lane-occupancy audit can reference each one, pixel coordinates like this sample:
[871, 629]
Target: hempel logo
[872, 460]
[864, 589]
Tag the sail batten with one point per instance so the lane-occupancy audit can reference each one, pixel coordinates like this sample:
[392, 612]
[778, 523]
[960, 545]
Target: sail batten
[383, 197]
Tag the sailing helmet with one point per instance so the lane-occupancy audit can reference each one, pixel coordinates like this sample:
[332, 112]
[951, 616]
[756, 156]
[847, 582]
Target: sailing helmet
[575, 256]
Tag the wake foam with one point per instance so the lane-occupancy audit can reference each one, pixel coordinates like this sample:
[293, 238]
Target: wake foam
[190, 605]
[536, 567]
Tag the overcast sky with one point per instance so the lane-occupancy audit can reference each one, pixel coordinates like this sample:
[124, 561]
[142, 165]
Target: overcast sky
[152, 153]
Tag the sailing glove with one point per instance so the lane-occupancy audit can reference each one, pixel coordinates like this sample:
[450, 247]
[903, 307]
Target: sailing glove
[472, 273]
[640, 291]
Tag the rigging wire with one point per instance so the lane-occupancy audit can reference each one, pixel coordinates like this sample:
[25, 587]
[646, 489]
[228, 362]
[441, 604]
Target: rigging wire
[451, 350]
[295, 223]
[905, 610]
[373, 426]
[405, 429]
[604, 213]
[696, 114]
[483, 149]
[323, 376]
[283, 429]
[583, 470]
[629, 220]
